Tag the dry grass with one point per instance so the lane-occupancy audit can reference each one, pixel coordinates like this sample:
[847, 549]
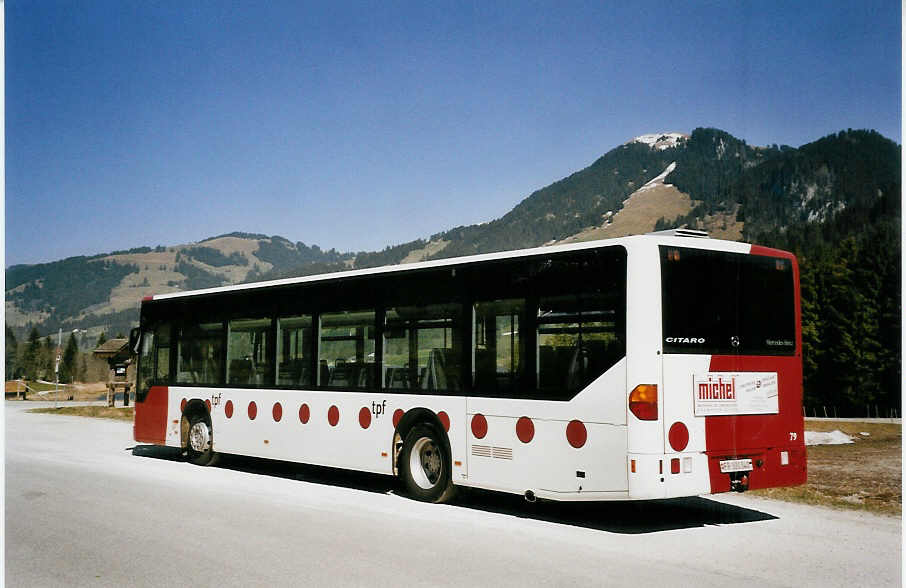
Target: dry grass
[723, 225]
[422, 254]
[101, 412]
[639, 214]
[78, 392]
[864, 475]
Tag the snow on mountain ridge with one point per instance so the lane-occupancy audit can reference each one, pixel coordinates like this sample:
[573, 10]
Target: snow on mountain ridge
[660, 141]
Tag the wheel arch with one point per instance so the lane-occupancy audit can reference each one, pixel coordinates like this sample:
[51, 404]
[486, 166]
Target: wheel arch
[413, 417]
[194, 407]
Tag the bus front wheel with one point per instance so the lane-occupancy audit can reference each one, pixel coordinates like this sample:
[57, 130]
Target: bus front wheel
[424, 465]
[200, 442]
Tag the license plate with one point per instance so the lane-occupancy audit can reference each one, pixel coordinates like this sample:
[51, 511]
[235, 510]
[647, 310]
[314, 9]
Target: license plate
[735, 465]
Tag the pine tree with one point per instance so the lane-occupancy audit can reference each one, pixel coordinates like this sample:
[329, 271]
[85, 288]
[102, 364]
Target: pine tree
[102, 338]
[69, 367]
[11, 351]
[83, 368]
[47, 362]
[32, 355]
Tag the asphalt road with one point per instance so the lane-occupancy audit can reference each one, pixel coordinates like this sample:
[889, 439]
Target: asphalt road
[85, 507]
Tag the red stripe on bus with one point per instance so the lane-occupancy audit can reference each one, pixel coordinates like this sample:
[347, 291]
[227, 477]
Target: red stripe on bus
[150, 424]
[760, 436]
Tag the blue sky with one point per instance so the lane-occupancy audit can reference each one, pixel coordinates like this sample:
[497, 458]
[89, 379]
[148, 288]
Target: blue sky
[357, 125]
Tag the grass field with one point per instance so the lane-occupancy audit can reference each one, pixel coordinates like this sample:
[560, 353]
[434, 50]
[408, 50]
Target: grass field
[864, 475]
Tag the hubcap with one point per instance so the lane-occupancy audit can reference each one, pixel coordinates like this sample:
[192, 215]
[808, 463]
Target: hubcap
[425, 463]
[199, 437]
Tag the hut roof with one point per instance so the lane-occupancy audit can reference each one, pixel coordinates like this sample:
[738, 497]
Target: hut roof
[112, 348]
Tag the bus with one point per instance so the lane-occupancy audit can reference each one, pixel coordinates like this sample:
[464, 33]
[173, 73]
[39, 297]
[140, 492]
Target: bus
[645, 367]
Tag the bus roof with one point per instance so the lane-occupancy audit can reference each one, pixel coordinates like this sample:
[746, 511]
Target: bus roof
[662, 238]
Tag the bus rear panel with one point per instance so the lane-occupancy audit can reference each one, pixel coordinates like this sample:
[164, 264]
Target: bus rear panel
[730, 383]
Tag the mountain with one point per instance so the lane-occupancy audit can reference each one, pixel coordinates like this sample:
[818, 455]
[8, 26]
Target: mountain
[101, 293]
[835, 202]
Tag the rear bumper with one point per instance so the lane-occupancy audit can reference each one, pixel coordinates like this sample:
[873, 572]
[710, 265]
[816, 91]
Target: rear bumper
[770, 468]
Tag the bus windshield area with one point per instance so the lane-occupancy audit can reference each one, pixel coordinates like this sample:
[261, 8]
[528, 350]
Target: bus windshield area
[723, 303]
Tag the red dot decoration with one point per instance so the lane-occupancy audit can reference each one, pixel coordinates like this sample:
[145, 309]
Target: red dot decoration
[207, 404]
[576, 434]
[228, 409]
[365, 417]
[333, 415]
[397, 416]
[444, 419]
[525, 429]
[277, 412]
[304, 413]
[479, 426]
[182, 405]
[253, 410]
[678, 436]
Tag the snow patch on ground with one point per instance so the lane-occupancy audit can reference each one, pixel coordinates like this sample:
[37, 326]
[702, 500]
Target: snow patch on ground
[832, 438]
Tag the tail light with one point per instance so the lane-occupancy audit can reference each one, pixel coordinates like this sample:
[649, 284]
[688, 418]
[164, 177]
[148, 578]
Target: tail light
[643, 402]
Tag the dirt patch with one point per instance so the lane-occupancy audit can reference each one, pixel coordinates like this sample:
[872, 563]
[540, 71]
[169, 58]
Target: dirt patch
[863, 475]
[102, 412]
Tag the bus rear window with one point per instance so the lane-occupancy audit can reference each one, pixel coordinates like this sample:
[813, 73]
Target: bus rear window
[722, 303]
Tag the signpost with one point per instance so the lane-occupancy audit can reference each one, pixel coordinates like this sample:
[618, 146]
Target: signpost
[56, 368]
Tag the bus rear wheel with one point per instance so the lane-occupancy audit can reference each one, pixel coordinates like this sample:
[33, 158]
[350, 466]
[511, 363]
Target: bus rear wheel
[200, 442]
[424, 465]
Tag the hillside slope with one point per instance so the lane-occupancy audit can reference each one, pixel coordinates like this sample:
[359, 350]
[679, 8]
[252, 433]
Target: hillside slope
[102, 292]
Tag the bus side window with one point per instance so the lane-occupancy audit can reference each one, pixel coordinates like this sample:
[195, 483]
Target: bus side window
[577, 341]
[294, 350]
[422, 348]
[499, 351]
[346, 344]
[200, 354]
[162, 353]
[249, 352]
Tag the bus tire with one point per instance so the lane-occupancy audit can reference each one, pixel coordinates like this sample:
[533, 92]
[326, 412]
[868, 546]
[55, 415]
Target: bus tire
[200, 442]
[424, 465]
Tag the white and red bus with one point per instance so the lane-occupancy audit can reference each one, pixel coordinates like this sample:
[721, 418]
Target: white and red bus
[644, 367]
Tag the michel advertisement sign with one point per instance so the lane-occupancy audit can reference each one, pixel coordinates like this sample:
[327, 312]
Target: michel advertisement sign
[728, 393]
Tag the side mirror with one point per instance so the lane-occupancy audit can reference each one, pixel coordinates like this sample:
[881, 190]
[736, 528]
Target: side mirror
[135, 338]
